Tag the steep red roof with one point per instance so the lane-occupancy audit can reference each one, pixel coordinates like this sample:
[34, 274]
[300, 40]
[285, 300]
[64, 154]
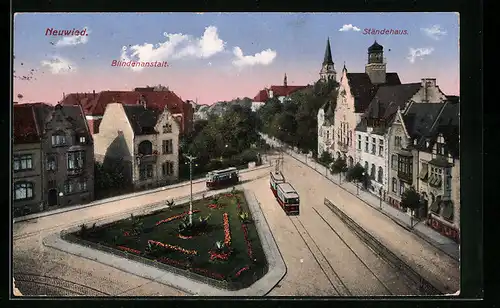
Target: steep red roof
[263, 95]
[95, 104]
[25, 127]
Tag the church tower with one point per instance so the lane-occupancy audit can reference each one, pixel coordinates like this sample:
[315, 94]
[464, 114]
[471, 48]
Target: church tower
[376, 67]
[328, 70]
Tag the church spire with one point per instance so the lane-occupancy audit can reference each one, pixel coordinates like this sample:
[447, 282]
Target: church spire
[328, 53]
[285, 81]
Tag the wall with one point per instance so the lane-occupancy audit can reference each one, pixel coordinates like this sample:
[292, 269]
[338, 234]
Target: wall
[166, 118]
[377, 160]
[434, 94]
[344, 112]
[35, 176]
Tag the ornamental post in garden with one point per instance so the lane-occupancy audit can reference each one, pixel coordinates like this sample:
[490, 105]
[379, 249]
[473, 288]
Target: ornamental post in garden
[191, 158]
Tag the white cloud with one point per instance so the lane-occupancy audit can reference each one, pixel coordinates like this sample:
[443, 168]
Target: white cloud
[176, 46]
[349, 27]
[435, 32]
[58, 65]
[415, 53]
[73, 40]
[264, 57]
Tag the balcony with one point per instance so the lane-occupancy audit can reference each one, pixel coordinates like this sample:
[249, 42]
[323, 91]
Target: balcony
[405, 177]
[342, 146]
[146, 159]
[76, 171]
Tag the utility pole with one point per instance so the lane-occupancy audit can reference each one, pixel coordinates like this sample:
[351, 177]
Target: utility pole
[190, 158]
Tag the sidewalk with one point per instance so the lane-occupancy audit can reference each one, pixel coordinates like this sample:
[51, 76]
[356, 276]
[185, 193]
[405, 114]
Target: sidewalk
[437, 240]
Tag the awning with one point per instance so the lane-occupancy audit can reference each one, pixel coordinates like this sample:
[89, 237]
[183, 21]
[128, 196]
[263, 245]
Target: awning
[436, 181]
[435, 207]
[447, 210]
[431, 178]
[424, 173]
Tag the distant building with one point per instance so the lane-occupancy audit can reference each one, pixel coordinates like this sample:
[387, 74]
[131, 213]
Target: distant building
[282, 93]
[157, 98]
[53, 159]
[143, 142]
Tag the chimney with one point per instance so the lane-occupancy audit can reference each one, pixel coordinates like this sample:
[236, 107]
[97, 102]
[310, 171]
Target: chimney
[93, 92]
[426, 84]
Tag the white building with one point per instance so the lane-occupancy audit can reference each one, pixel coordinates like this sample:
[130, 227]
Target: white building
[325, 128]
[355, 93]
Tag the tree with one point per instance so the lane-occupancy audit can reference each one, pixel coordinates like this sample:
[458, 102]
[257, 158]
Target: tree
[339, 165]
[411, 199]
[357, 174]
[326, 158]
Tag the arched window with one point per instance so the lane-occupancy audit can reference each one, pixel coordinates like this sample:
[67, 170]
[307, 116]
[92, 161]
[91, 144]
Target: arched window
[366, 166]
[394, 161]
[351, 161]
[146, 147]
[380, 175]
[394, 185]
[23, 191]
[372, 171]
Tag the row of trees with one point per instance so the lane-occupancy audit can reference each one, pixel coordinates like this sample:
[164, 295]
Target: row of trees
[295, 121]
[410, 198]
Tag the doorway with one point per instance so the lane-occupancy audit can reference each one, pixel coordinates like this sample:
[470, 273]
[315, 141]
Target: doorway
[52, 197]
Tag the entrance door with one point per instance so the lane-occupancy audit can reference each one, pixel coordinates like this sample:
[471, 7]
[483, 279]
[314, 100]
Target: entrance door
[52, 198]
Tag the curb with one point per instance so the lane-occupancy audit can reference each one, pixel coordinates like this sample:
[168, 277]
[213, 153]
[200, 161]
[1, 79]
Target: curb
[275, 273]
[395, 220]
[117, 198]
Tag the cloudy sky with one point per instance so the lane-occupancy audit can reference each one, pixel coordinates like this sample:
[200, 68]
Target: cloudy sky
[221, 56]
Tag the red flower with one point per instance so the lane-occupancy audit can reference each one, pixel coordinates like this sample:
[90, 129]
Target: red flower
[129, 249]
[227, 231]
[174, 248]
[249, 244]
[220, 256]
[241, 271]
[212, 206]
[174, 217]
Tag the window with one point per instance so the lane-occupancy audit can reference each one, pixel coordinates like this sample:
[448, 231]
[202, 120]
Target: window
[145, 148]
[82, 139]
[23, 162]
[168, 168]
[366, 166]
[394, 161]
[51, 162]
[69, 187]
[167, 128]
[145, 171]
[447, 179]
[58, 139]
[397, 141]
[349, 139]
[366, 144]
[436, 177]
[372, 172]
[405, 165]
[82, 185]
[401, 188]
[374, 145]
[23, 191]
[167, 147]
[380, 175]
[424, 172]
[359, 142]
[381, 147]
[441, 149]
[394, 185]
[327, 135]
[76, 160]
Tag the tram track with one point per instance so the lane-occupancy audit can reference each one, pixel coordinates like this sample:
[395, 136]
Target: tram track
[71, 287]
[324, 264]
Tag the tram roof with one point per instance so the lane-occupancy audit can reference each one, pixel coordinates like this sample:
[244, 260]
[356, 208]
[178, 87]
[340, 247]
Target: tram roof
[230, 169]
[288, 190]
[277, 175]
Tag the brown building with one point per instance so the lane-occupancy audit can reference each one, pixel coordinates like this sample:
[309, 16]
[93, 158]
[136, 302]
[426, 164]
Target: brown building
[53, 159]
[142, 142]
[94, 104]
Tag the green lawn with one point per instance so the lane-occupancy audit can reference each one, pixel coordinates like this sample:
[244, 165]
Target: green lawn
[121, 235]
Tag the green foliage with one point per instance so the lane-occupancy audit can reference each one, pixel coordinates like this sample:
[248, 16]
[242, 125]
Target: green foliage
[108, 177]
[295, 122]
[170, 203]
[325, 158]
[356, 173]
[83, 230]
[339, 165]
[411, 199]
[244, 217]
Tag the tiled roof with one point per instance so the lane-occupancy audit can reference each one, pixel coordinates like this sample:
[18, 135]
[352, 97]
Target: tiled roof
[387, 101]
[25, 125]
[263, 95]
[142, 120]
[420, 118]
[95, 104]
[363, 90]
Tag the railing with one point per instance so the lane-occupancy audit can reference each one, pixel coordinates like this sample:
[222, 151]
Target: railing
[75, 172]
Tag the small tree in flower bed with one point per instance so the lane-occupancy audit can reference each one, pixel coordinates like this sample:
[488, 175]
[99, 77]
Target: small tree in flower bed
[197, 226]
[220, 253]
[244, 217]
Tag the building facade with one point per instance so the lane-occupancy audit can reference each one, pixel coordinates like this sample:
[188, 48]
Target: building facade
[356, 91]
[143, 142]
[53, 162]
[326, 120]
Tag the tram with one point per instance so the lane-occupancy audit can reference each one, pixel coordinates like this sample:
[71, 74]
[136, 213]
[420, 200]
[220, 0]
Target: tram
[275, 178]
[222, 178]
[288, 198]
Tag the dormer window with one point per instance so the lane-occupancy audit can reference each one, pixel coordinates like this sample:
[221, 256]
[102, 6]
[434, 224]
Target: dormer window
[58, 139]
[82, 139]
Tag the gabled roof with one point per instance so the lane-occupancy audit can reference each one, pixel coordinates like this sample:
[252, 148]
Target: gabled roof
[263, 95]
[363, 90]
[95, 104]
[142, 120]
[25, 124]
[420, 117]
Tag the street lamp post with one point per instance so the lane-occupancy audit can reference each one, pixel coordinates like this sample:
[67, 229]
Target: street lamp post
[190, 158]
[380, 197]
